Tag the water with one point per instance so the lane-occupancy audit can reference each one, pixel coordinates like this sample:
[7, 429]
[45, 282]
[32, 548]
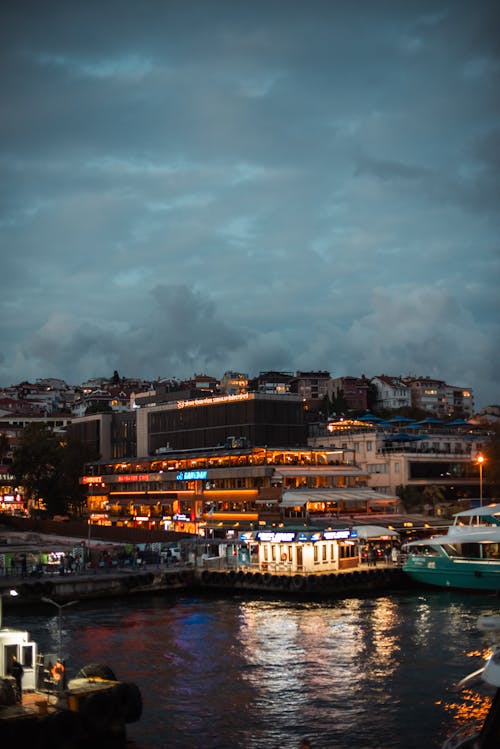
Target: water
[219, 673]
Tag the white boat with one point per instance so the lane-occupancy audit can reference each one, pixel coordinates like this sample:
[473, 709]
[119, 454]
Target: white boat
[466, 557]
[488, 735]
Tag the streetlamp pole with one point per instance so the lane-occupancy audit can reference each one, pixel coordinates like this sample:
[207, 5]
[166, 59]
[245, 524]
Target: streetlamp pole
[60, 607]
[480, 461]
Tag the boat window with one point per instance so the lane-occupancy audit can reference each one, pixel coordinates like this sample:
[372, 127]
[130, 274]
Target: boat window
[450, 550]
[425, 550]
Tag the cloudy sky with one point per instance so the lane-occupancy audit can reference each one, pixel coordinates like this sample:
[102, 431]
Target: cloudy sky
[196, 186]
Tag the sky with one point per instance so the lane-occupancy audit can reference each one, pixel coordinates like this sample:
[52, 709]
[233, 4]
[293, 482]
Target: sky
[206, 186]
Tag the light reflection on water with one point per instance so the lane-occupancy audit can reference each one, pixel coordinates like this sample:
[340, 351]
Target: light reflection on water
[228, 673]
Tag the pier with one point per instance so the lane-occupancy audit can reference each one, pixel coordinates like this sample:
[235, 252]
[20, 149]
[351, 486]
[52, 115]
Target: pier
[180, 578]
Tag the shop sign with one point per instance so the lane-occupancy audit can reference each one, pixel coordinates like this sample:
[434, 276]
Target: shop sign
[338, 535]
[182, 517]
[191, 475]
[92, 480]
[134, 477]
[276, 536]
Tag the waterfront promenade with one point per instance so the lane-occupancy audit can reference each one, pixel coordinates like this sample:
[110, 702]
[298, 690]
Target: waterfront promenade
[114, 573]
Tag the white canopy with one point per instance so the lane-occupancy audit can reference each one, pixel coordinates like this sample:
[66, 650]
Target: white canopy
[374, 531]
[479, 511]
[296, 497]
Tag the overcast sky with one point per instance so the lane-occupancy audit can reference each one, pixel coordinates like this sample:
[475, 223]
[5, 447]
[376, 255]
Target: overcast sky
[202, 186]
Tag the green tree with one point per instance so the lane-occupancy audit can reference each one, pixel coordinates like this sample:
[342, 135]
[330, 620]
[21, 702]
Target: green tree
[36, 464]
[410, 496]
[4, 446]
[49, 468]
[433, 494]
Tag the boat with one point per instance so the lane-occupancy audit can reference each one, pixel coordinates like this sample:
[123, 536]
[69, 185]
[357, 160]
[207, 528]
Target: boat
[467, 557]
[487, 735]
[44, 710]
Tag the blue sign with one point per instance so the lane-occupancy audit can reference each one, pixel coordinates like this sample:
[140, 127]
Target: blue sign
[191, 475]
[338, 535]
[276, 536]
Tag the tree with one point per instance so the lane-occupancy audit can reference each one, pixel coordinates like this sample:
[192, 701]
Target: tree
[99, 407]
[49, 469]
[4, 446]
[410, 497]
[35, 465]
[433, 494]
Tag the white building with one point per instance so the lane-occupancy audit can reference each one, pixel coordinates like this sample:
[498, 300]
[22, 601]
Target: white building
[391, 393]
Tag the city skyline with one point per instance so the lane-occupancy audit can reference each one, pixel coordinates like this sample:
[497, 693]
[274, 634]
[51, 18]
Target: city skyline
[190, 185]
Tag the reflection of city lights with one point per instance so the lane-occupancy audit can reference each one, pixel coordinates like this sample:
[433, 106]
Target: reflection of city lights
[471, 710]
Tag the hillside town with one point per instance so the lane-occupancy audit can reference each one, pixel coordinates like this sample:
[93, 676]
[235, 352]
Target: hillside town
[212, 456]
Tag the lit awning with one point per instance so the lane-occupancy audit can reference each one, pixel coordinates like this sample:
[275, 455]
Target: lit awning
[307, 470]
[297, 498]
[374, 532]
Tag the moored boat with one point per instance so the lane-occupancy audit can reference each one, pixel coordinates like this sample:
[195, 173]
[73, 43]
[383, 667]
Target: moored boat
[38, 708]
[466, 557]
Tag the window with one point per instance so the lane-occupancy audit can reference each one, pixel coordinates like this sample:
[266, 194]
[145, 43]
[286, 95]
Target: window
[369, 446]
[396, 467]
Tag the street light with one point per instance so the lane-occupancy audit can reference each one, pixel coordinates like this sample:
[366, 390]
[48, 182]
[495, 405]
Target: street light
[11, 593]
[480, 461]
[60, 606]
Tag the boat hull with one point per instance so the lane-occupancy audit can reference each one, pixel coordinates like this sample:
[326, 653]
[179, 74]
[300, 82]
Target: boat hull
[461, 574]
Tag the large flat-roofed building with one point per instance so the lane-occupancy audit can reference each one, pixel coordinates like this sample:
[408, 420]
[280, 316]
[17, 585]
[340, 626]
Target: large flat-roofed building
[247, 418]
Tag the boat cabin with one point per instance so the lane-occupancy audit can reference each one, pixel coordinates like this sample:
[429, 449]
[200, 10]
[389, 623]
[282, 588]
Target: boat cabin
[16, 642]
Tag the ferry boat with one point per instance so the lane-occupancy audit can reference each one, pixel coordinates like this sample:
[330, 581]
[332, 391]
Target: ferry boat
[466, 557]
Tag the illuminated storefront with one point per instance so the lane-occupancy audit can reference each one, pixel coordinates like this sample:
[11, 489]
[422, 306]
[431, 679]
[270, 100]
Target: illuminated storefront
[209, 492]
[289, 550]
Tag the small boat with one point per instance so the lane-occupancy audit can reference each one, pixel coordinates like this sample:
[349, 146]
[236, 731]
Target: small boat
[466, 557]
[91, 709]
[487, 736]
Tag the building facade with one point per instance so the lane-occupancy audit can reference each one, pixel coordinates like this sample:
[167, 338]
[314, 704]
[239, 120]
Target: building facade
[250, 418]
[228, 489]
[417, 456]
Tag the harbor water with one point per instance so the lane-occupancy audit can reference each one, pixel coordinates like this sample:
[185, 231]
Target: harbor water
[228, 672]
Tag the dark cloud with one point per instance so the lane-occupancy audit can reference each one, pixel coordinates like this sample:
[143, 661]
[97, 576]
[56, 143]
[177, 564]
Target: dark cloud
[218, 185]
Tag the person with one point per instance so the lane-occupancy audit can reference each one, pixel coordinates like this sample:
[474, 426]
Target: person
[395, 555]
[57, 673]
[16, 670]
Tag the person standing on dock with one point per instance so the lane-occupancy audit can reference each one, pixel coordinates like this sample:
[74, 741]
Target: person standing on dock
[16, 670]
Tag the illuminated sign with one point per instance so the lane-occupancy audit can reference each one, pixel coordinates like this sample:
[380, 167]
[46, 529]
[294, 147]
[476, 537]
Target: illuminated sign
[183, 517]
[212, 401]
[276, 536]
[336, 535]
[6, 477]
[92, 480]
[191, 475]
[135, 477]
